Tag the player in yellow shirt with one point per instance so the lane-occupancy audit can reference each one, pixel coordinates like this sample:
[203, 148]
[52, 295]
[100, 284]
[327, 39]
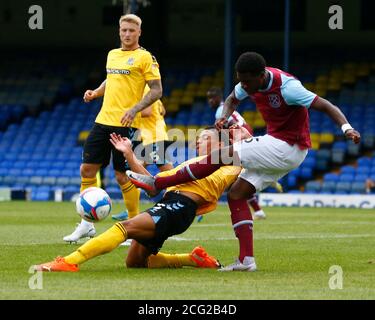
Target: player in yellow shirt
[152, 149]
[170, 216]
[129, 69]
[154, 137]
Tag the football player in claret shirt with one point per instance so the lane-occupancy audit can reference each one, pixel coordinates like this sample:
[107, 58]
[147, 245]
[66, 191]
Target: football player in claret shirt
[170, 216]
[284, 103]
[216, 102]
[129, 69]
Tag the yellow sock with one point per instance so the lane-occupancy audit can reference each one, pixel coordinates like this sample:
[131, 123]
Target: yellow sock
[165, 260]
[88, 183]
[101, 244]
[98, 180]
[131, 194]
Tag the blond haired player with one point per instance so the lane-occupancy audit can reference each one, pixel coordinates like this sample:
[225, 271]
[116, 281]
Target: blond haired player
[170, 216]
[129, 69]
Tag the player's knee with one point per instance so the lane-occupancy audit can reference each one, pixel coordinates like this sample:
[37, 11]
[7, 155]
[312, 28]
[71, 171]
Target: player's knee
[134, 260]
[87, 172]
[121, 178]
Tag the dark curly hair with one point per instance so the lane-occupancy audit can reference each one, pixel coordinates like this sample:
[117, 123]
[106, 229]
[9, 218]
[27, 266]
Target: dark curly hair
[250, 62]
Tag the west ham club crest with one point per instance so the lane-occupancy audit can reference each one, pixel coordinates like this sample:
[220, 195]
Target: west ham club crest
[274, 100]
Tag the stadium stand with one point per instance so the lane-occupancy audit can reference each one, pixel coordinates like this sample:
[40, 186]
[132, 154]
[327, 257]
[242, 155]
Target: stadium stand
[41, 134]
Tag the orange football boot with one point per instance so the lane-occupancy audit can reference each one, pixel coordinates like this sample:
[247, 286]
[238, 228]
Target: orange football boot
[203, 260]
[58, 264]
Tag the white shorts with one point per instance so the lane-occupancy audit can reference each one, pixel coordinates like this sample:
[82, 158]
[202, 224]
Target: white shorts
[266, 159]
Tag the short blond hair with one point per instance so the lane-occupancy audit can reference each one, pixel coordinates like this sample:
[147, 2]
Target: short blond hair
[131, 18]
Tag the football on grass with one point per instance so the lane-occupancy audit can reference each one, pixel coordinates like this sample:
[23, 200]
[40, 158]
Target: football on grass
[93, 204]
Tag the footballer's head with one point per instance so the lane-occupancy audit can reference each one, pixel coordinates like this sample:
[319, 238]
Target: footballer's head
[208, 140]
[214, 97]
[130, 31]
[251, 71]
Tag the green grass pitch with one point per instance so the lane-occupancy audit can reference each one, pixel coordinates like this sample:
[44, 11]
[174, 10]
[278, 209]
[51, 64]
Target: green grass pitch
[294, 249]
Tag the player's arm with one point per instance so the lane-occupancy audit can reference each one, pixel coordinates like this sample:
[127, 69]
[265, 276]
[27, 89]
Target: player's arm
[93, 94]
[124, 145]
[294, 93]
[230, 104]
[154, 94]
[146, 112]
[336, 115]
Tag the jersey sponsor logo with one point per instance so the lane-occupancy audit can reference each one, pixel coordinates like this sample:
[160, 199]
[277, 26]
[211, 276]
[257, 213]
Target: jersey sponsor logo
[274, 100]
[118, 71]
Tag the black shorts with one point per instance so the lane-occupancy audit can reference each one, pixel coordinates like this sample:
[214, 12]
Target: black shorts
[154, 153]
[98, 148]
[172, 215]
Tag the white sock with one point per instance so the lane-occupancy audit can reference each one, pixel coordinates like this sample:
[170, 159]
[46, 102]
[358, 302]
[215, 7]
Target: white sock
[87, 224]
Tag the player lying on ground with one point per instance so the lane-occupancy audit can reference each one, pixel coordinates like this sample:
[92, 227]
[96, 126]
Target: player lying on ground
[283, 102]
[170, 216]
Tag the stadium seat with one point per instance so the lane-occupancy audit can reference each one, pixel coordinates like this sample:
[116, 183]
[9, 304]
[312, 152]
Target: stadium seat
[328, 186]
[348, 169]
[358, 187]
[343, 187]
[331, 177]
[313, 187]
[346, 177]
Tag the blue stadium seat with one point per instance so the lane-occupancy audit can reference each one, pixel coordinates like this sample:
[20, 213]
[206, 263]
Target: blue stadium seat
[328, 186]
[363, 170]
[306, 173]
[358, 187]
[360, 177]
[343, 187]
[346, 177]
[67, 173]
[313, 187]
[331, 177]
[62, 181]
[28, 172]
[41, 172]
[348, 169]
[36, 180]
[364, 162]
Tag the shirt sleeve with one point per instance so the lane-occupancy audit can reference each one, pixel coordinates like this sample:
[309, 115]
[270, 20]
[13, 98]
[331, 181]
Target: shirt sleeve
[218, 113]
[294, 93]
[151, 68]
[240, 93]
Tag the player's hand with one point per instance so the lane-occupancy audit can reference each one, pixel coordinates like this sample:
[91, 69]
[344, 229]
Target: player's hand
[353, 135]
[122, 144]
[89, 95]
[128, 118]
[238, 133]
[221, 123]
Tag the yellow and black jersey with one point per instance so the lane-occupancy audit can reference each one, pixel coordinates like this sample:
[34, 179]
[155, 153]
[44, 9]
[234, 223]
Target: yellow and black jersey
[210, 188]
[153, 127]
[127, 73]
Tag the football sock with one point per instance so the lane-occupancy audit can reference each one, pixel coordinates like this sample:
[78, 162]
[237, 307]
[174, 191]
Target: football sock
[88, 183]
[131, 194]
[242, 222]
[190, 172]
[165, 260]
[254, 203]
[86, 223]
[101, 244]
